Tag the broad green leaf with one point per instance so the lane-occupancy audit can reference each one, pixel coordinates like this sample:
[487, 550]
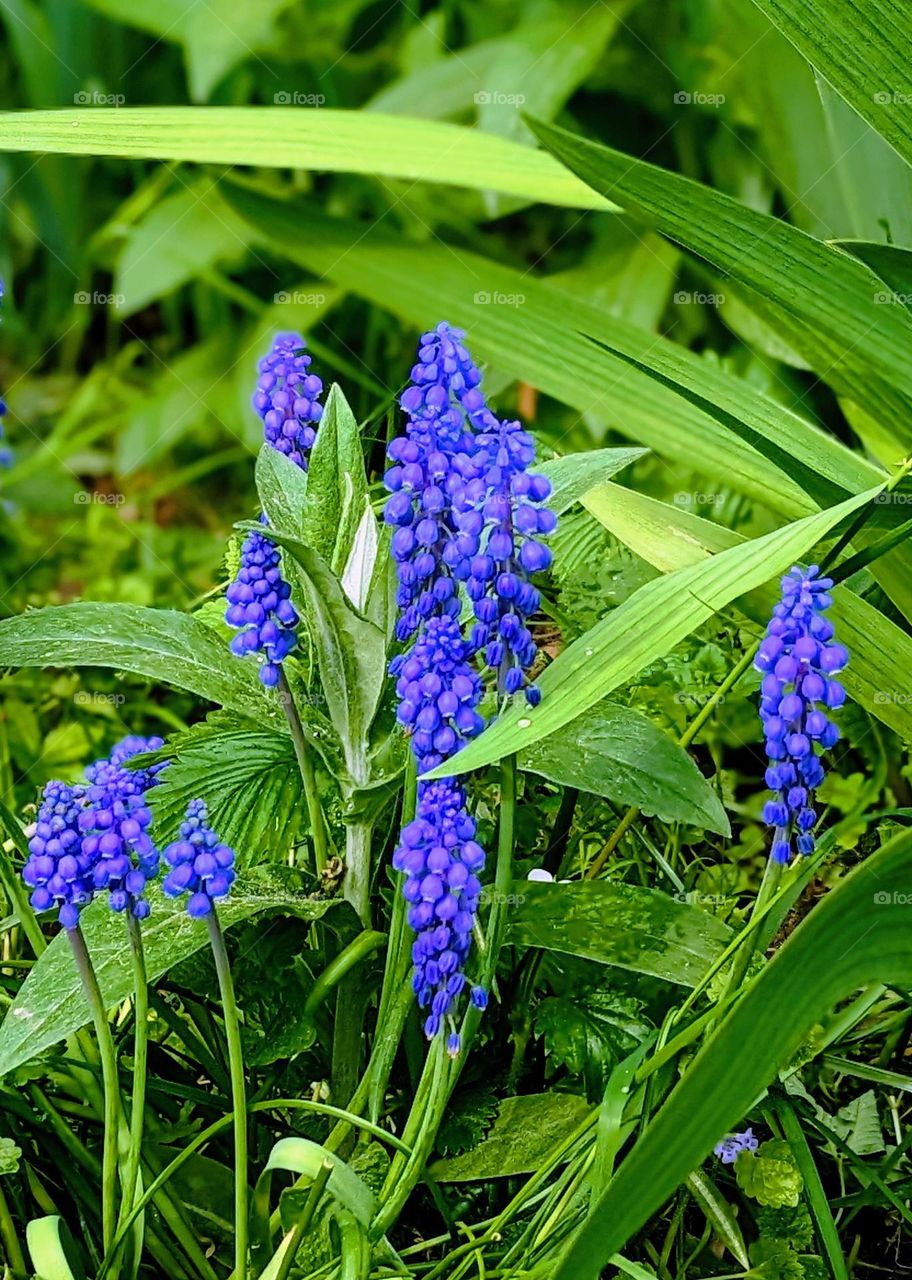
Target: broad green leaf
[576, 473]
[287, 137]
[161, 644]
[51, 1004]
[305, 1158]
[860, 49]
[523, 1128]
[858, 934]
[644, 386]
[351, 653]
[336, 484]
[282, 489]
[718, 1212]
[249, 779]
[616, 752]
[669, 537]
[829, 301]
[52, 1249]
[618, 924]
[888, 261]
[645, 627]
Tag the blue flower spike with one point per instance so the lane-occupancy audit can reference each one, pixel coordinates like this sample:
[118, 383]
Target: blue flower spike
[799, 659]
[201, 866]
[287, 398]
[57, 870]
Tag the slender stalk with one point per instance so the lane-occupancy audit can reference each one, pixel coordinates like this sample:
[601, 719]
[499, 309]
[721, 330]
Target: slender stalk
[305, 764]
[303, 1223]
[350, 997]
[15, 1258]
[108, 1056]
[238, 1093]
[140, 1061]
[768, 885]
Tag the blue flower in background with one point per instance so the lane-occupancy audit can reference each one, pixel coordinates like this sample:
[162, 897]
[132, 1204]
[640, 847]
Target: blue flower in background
[287, 398]
[731, 1147]
[57, 871]
[201, 865]
[799, 659]
[259, 599]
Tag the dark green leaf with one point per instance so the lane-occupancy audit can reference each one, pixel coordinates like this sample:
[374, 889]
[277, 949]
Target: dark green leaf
[524, 1128]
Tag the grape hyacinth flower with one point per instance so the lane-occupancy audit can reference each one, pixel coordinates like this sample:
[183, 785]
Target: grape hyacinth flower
[201, 865]
[501, 517]
[799, 660]
[287, 398]
[731, 1147]
[441, 859]
[57, 870]
[114, 822]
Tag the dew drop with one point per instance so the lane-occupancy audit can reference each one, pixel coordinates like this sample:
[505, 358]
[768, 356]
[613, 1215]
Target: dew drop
[524, 723]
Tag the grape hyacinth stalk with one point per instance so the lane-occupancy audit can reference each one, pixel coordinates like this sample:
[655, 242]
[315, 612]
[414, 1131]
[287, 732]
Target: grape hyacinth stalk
[799, 659]
[202, 867]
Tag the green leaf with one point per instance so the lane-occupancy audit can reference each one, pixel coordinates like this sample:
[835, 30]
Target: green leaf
[770, 1175]
[669, 537]
[249, 779]
[590, 1033]
[336, 484]
[52, 1249]
[50, 1003]
[618, 924]
[645, 627]
[888, 261]
[719, 1213]
[351, 652]
[524, 1127]
[282, 489]
[828, 301]
[161, 644]
[287, 137]
[831, 33]
[305, 1158]
[9, 1157]
[858, 934]
[616, 752]
[576, 473]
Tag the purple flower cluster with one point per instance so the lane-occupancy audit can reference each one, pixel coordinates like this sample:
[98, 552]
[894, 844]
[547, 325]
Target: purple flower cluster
[465, 513]
[287, 398]
[259, 599]
[799, 659]
[93, 836]
[200, 864]
[731, 1147]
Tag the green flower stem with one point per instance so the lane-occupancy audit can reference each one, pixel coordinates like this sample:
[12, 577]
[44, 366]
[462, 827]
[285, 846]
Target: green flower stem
[238, 1093]
[93, 994]
[350, 998]
[339, 968]
[15, 1259]
[302, 1226]
[140, 1062]
[772, 874]
[305, 764]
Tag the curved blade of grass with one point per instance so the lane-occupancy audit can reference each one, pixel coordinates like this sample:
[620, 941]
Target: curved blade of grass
[820, 1206]
[287, 137]
[858, 934]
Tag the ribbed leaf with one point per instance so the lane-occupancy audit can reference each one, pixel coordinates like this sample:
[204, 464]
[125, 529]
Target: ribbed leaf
[642, 629]
[857, 935]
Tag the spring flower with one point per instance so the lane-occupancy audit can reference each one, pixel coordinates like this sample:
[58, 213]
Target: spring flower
[200, 864]
[501, 517]
[259, 599]
[114, 821]
[799, 659]
[286, 398]
[441, 859]
[731, 1147]
[57, 871]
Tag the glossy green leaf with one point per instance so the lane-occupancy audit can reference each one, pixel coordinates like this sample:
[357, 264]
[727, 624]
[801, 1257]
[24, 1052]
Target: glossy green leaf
[523, 1128]
[576, 473]
[830, 301]
[718, 1212]
[305, 1158]
[888, 261]
[858, 934]
[645, 627]
[616, 752]
[669, 537]
[618, 924]
[833, 34]
[50, 1003]
[282, 489]
[287, 137]
[336, 484]
[161, 644]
